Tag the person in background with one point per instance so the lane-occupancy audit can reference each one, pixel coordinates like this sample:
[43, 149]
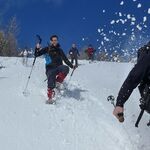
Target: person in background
[90, 52]
[24, 54]
[74, 54]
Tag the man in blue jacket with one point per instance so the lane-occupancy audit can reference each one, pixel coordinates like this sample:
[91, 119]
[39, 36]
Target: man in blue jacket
[55, 70]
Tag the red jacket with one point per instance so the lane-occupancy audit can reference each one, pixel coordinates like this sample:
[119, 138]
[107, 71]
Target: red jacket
[90, 50]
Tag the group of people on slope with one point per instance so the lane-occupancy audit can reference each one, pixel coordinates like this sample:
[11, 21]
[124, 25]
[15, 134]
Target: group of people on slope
[56, 71]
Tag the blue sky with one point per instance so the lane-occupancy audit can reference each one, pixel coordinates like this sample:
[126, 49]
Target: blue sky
[71, 20]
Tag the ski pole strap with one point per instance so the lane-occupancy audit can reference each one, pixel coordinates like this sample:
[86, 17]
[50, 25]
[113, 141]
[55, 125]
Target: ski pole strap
[139, 118]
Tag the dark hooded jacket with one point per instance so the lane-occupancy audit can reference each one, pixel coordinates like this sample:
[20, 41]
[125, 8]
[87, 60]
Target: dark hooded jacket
[56, 55]
[74, 53]
[140, 74]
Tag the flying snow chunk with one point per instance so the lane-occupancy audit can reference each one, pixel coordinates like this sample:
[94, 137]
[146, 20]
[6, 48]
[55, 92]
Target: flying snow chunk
[133, 19]
[112, 22]
[139, 5]
[104, 11]
[144, 19]
[106, 39]
[129, 16]
[120, 14]
[139, 27]
[99, 47]
[122, 21]
[149, 11]
[99, 30]
[122, 3]
[83, 39]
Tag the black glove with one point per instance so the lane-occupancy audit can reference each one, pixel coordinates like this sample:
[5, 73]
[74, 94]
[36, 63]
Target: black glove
[36, 52]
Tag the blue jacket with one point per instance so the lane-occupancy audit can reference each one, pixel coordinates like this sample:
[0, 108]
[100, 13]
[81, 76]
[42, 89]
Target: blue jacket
[48, 59]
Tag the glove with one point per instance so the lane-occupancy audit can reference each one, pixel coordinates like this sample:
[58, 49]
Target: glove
[36, 52]
[119, 113]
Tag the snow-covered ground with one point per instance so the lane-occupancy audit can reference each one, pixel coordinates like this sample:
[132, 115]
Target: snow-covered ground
[82, 118]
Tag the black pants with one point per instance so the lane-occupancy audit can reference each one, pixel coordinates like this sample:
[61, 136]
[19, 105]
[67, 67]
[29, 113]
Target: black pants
[53, 72]
[74, 59]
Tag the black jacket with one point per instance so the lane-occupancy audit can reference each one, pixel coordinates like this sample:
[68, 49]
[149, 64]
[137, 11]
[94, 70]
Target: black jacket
[74, 52]
[140, 74]
[56, 54]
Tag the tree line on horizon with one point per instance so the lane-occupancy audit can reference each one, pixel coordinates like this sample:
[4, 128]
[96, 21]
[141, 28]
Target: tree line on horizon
[8, 38]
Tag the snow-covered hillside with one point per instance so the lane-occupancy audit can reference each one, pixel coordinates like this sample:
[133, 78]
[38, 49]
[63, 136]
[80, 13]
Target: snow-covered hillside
[82, 118]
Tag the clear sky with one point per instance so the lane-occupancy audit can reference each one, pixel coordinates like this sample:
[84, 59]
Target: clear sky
[71, 20]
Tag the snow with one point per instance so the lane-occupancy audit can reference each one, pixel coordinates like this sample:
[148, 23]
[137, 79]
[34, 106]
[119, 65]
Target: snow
[144, 19]
[106, 39]
[133, 19]
[129, 16]
[139, 27]
[149, 11]
[120, 14]
[99, 30]
[104, 11]
[81, 119]
[139, 5]
[112, 22]
[123, 34]
[122, 3]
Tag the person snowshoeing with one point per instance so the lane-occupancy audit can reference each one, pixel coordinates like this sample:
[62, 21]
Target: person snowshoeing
[74, 54]
[55, 70]
[90, 52]
[24, 54]
[140, 74]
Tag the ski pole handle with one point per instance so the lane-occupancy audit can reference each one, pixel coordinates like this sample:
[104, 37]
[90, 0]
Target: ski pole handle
[121, 117]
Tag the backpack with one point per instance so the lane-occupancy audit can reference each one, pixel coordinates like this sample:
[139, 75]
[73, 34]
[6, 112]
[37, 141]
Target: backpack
[145, 100]
[144, 103]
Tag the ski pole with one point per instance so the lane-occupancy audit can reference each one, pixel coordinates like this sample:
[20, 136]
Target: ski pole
[39, 42]
[71, 76]
[72, 72]
[29, 76]
[139, 118]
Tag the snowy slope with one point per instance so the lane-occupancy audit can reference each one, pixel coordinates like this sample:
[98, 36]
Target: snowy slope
[82, 118]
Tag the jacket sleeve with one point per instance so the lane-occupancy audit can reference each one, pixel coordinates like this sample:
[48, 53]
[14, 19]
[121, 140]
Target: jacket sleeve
[65, 59]
[40, 52]
[134, 78]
